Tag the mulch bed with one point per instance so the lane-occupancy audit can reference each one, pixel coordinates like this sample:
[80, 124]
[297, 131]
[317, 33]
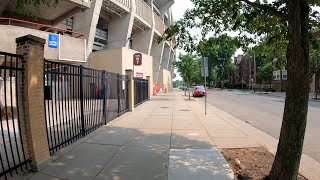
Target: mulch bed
[255, 163]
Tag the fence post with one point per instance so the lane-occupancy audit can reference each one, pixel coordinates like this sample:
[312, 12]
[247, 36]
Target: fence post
[129, 73]
[104, 85]
[149, 87]
[31, 100]
[118, 93]
[81, 102]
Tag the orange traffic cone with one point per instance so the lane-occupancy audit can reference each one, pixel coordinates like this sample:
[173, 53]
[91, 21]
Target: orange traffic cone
[154, 91]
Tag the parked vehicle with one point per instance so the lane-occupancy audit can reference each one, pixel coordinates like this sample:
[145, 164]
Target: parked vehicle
[199, 91]
[184, 88]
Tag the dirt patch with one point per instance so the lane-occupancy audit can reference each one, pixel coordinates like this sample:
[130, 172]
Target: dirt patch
[255, 163]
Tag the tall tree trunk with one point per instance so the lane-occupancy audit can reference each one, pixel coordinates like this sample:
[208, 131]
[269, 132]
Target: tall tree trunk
[287, 159]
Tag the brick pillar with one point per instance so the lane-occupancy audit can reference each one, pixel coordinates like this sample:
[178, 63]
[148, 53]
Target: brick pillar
[150, 88]
[31, 95]
[129, 73]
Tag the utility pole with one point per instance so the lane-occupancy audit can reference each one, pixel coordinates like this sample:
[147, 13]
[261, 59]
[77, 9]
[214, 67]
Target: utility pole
[205, 73]
[255, 72]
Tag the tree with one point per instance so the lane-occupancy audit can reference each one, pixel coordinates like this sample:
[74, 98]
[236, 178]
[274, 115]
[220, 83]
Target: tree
[315, 68]
[292, 19]
[187, 67]
[22, 5]
[213, 76]
[271, 50]
[265, 72]
[219, 51]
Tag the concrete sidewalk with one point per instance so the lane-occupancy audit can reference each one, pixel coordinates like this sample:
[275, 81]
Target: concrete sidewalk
[166, 138]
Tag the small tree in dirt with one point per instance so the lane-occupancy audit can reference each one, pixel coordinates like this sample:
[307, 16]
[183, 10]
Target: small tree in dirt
[292, 19]
[187, 66]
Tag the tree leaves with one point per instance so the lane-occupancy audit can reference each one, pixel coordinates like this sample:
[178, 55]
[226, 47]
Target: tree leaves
[187, 66]
[219, 51]
[22, 6]
[261, 18]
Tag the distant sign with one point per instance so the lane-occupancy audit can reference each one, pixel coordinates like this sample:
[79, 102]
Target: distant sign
[137, 59]
[204, 67]
[139, 75]
[53, 40]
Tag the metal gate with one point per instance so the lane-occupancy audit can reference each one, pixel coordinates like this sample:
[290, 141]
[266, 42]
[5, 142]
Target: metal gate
[12, 153]
[78, 100]
[141, 91]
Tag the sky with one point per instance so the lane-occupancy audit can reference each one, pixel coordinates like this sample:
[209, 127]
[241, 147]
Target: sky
[178, 9]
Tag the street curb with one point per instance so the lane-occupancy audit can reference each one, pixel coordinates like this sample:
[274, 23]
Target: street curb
[309, 167]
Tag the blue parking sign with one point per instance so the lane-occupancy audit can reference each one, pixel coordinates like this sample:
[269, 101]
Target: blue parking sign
[53, 41]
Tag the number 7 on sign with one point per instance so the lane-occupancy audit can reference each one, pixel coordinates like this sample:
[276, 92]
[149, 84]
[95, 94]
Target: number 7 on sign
[137, 59]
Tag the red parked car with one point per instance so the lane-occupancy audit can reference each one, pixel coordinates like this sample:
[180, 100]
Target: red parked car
[198, 91]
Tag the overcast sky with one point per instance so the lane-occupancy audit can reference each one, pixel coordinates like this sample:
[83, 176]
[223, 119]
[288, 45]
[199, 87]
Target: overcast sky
[178, 9]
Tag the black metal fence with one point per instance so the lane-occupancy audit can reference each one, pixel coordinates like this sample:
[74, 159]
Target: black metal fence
[12, 154]
[78, 100]
[141, 91]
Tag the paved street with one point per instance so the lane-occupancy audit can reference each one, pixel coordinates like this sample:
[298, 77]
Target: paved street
[265, 113]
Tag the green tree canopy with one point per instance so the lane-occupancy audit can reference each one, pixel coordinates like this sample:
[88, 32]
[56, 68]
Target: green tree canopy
[292, 20]
[188, 67]
[265, 72]
[219, 51]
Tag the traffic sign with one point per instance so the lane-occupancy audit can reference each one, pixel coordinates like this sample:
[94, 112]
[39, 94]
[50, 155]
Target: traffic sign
[53, 40]
[204, 67]
[137, 59]
[204, 71]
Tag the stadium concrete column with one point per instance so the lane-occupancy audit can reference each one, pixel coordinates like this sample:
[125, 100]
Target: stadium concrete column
[157, 54]
[165, 7]
[166, 57]
[171, 68]
[120, 28]
[142, 39]
[150, 3]
[86, 22]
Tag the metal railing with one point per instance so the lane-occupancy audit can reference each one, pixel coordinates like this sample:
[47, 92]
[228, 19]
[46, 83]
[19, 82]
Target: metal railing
[126, 3]
[12, 153]
[159, 25]
[78, 100]
[38, 26]
[141, 91]
[144, 11]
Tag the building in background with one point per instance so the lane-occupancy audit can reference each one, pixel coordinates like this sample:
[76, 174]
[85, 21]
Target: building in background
[244, 73]
[101, 34]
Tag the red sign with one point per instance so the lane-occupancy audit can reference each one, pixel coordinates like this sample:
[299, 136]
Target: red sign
[139, 75]
[137, 59]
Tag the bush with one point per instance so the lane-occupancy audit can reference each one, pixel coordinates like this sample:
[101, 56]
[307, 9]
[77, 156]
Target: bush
[269, 90]
[236, 86]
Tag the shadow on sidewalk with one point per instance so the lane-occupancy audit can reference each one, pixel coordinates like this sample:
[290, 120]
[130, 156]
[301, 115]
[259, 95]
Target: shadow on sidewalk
[128, 153]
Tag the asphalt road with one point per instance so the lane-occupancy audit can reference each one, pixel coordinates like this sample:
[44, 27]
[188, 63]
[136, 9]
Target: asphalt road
[265, 113]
